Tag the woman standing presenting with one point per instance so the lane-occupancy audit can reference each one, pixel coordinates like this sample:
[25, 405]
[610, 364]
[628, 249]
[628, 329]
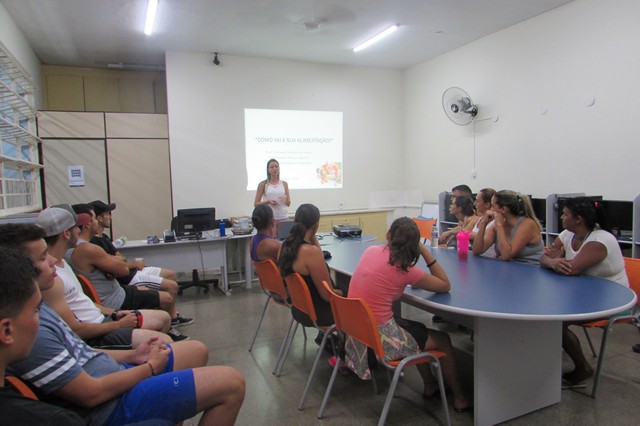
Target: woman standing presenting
[274, 192]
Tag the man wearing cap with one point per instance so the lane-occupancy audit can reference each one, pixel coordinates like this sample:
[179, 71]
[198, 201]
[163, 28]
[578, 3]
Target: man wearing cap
[98, 326]
[153, 384]
[148, 276]
[101, 269]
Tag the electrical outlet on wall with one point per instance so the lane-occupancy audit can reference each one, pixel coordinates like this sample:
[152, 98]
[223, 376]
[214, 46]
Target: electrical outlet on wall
[341, 205]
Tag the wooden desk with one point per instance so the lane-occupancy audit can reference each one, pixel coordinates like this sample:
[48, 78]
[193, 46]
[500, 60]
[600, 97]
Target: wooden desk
[516, 312]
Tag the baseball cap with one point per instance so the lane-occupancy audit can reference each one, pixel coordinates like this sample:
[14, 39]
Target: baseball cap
[100, 207]
[54, 220]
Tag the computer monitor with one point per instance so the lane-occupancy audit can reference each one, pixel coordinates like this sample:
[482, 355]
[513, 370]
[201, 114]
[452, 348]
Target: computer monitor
[619, 216]
[563, 200]
[540, 209]
[194, 221]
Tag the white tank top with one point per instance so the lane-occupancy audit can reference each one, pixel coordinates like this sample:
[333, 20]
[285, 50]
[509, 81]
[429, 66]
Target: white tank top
[83, 308]
[274, 192]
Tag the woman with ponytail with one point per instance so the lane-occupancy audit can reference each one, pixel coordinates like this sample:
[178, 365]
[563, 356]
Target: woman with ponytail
[516, 234]
[301, 253]
[380, 279]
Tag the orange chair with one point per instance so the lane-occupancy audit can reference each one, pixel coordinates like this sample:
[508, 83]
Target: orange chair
[425, 226]
[354, 318]
[21, 387]
[632, 266]
[301, 300]
[89, 289]
[273, 286]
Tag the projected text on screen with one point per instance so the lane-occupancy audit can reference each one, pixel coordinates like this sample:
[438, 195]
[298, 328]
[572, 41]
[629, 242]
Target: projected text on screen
[307, 144]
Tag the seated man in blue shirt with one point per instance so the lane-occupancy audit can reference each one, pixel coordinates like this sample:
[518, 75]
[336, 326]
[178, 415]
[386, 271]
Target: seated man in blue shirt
[164, 384]
[19, 306]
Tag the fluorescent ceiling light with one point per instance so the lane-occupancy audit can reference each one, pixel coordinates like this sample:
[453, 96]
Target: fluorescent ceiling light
[375, 39]
[151, 16]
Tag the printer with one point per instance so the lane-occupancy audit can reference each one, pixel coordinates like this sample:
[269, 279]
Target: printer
[347, 231]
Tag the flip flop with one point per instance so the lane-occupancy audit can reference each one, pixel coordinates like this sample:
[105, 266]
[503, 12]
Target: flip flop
[569, 385]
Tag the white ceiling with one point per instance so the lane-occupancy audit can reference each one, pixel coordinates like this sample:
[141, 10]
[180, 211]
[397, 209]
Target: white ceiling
[96, 32]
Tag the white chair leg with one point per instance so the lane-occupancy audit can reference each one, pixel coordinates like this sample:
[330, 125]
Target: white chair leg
[334, 373]
[315, 366]
[596, 377]
[255, 335]
[443, 394]
[586, 334]
[283, 358]
[283, 345]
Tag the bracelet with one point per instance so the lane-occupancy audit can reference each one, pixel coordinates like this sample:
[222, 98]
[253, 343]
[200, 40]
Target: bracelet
[139, 318]
[153, 372]
[429, 265]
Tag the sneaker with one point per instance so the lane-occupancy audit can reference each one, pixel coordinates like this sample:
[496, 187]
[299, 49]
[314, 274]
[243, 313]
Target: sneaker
[179, 320]
[636, 348]
[176, 335]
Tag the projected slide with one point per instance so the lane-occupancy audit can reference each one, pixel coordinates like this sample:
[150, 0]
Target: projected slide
[307, 144]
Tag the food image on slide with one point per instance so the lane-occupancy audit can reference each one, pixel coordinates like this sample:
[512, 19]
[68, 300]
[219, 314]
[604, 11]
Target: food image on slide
[307, 144]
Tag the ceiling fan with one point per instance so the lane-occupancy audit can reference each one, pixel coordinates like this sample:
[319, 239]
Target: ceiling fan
[322, 14]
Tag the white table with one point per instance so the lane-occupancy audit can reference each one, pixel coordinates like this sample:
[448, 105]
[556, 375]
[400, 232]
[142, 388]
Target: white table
[187, 255]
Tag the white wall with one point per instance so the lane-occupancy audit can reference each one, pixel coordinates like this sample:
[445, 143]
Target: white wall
[13, 40]
[557, 59]
[206, 126]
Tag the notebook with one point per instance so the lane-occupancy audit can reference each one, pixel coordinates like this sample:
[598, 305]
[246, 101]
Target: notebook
[284, 227]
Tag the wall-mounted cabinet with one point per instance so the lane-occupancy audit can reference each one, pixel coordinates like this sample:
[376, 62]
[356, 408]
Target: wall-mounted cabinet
[96, 89]
[125, 158]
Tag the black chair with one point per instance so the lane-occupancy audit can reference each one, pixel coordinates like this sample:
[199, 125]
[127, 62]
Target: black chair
[195, 276]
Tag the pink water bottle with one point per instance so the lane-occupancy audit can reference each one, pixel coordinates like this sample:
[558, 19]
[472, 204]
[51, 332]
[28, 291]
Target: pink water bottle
[463, 244]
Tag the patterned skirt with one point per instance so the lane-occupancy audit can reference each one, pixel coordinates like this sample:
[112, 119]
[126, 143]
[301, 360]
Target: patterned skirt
[396, 342]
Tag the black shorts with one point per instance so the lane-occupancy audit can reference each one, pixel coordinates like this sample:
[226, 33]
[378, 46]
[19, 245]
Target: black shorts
[116, 339]
[136, 298]
[416, 329]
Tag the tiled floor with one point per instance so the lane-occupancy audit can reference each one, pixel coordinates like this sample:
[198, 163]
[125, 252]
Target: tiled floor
[226, 325]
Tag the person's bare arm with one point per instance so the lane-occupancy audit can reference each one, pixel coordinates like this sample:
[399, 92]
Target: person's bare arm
[485, 237]
[437, 280]
[448, 234]
[317, 268]
[96, 257]
[526, 233]
[55, 299]
[590, 255]
[268, 249]
[287, 200]
[553, 257]
[259, 193]
[471, 223]
[87, 391]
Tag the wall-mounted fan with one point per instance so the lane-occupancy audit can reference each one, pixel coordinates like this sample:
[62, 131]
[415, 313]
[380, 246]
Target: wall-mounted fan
[458, 106]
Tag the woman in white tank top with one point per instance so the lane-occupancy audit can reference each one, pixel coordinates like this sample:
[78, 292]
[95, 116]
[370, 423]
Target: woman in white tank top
[274, 192]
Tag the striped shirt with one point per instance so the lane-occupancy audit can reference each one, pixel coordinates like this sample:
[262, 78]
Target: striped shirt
[59, 356]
